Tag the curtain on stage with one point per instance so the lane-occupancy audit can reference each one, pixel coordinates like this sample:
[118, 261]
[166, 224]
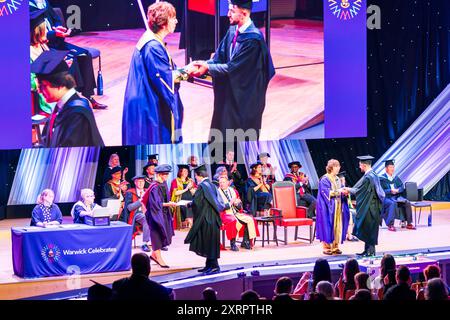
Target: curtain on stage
[64, 170]
[172, 154]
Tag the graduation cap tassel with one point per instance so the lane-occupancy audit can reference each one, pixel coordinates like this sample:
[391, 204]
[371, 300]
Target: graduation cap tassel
[99, 77]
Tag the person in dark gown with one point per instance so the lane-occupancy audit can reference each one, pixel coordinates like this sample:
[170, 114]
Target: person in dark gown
[46, 212]
[395, 205]
[115, 187]
[241, 70]
[369, 202]
[237, 173]
[152, 110]
[158, 214]
[149, 169]
[182, 188]
[258, 191]
[304, 192]
[204, 236]
[332, 210]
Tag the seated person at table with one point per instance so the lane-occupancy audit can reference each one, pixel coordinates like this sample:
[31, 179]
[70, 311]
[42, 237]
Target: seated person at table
[258, 193]
[84, 207]
[304, 193]
[115, 188]
[234, 220]
[133, 209]
[395, 206]
[46, 212]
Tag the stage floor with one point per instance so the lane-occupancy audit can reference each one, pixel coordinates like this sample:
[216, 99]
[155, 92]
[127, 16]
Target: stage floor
[295, 98]
[180, 259]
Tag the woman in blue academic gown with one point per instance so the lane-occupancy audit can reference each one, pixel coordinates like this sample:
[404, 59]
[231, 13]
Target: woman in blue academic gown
[153, 112]
[332, 210]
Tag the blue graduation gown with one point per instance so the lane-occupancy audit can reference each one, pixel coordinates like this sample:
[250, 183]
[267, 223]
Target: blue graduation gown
[152, 111]
[325, 211]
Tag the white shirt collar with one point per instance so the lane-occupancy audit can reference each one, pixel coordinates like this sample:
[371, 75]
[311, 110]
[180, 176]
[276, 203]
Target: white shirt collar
[245, 26]
[65, 98]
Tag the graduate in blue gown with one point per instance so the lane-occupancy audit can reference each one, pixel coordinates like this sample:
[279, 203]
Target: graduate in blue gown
[152, 111]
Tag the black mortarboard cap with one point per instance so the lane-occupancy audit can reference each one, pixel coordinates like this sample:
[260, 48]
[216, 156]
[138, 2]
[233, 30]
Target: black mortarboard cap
[255, 164]
[153, 157]
[116, 169]
[245, 4]
[201, 168]
[183, 166]
[367, 159]
[50, 62]
[293, 163]
[342, 174]
[139, 176]
[36, 18]
[389, 162]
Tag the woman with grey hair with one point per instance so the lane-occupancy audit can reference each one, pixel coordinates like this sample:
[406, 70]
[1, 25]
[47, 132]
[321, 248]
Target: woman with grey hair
[436, 290]
[84, 207]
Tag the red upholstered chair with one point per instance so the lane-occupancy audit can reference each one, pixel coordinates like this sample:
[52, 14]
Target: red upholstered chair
[285, 204]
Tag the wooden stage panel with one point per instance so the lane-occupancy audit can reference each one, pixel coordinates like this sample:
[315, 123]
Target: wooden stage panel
[179, 258]
[295, 95]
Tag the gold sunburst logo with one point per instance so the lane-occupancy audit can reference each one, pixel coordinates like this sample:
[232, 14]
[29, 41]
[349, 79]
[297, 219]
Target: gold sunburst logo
[8, 7]
[345, 9]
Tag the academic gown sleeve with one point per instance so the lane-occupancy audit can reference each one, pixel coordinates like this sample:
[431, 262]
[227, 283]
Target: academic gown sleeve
[160, 73]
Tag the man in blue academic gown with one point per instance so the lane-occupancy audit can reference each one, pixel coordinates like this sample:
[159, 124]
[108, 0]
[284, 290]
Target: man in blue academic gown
[369, 201]
[241, 70]
[394, 201]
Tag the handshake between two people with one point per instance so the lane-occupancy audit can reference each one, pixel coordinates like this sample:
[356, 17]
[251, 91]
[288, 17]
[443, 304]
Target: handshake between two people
[195, 69]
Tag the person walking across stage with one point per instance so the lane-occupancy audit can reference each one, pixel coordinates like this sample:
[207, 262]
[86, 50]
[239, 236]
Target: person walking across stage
[241, 70]
[204, 236]
[369, 201]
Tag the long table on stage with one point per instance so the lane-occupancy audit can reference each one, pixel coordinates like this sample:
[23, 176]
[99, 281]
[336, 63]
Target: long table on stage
[71, 249]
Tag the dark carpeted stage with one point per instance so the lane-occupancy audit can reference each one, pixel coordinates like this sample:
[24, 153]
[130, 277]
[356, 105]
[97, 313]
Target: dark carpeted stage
[271, 262]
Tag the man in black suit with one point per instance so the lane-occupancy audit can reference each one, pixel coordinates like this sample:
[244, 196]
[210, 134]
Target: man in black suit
[72, 122]
[139, 286]
[402, 290]
[82, 68]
